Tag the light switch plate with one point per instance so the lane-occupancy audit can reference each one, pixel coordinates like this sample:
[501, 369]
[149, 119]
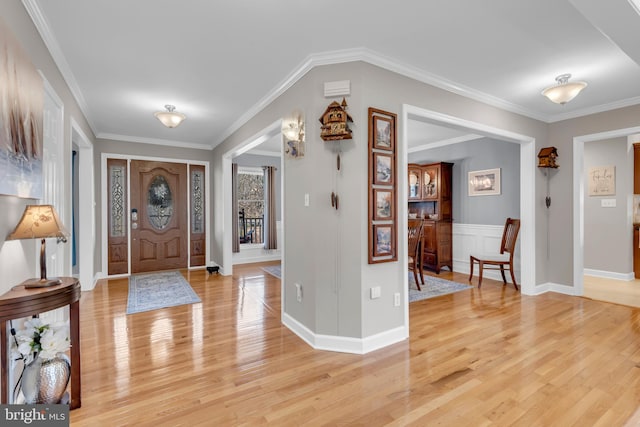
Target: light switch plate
[608, 203]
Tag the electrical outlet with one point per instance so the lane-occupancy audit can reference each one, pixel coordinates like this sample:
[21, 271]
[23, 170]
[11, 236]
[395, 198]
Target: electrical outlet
[298, 292]
[396, 299]
[375, 292]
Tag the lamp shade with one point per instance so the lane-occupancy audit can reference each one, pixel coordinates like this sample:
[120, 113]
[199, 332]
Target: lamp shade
[39, 222]
[563, 91]
[170, 118]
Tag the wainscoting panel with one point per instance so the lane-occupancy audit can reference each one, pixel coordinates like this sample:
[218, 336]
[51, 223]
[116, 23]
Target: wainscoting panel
[478, 238]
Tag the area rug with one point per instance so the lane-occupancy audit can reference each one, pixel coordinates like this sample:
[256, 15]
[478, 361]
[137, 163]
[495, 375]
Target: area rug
[433, 287]
[273, 270]
[159, 290]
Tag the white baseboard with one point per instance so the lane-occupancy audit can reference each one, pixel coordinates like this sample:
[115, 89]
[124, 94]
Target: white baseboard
[345, 344]
[555, 287]
[609, 274]
[259, 257]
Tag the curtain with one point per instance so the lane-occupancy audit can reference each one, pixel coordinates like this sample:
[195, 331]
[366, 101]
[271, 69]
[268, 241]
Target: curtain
[234, 210]
[270, 235]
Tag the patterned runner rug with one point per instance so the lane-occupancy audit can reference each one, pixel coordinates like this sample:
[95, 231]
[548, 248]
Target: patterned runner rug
[273, 270]
[433, 287]
[159, 290]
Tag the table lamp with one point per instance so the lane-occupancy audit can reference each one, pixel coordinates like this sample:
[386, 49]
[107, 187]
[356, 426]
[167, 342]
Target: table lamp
[40, 222]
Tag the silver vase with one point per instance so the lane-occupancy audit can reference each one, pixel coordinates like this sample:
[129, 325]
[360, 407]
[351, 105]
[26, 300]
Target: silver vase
[45, 381]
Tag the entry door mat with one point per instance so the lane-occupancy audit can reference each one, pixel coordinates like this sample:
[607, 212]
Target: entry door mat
[433, 287]
[274, 270]
[159, 290]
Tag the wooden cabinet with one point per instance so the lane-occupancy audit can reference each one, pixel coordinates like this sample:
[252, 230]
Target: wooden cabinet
[636, 251]
[438, 249]
[636, 168]
[433, 202]
[430, 190]
[415, 182]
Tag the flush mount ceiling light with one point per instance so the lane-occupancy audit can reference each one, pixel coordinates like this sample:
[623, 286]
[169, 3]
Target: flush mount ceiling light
[170, 118]
[563, 91]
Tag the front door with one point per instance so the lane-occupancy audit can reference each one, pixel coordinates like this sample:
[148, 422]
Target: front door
[158, 215]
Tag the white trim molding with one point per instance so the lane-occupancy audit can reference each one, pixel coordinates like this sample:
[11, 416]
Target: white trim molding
[609, 274]
[345, 344]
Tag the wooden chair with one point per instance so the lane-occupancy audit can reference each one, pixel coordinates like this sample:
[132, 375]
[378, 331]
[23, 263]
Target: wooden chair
[415, 253]
[503, 260]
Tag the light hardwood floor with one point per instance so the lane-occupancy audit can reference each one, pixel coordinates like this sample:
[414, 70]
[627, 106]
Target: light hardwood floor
[488, 357]
[615, 291]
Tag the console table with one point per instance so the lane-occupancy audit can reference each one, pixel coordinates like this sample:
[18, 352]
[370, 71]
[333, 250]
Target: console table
[20, 302]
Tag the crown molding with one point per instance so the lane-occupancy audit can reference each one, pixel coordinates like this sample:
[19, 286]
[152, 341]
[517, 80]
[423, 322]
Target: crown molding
[143, 140]
[52, 45]
[595, 109]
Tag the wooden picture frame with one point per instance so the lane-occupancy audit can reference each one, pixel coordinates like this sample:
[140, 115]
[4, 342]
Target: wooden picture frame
[485, 182]
[383, 199]
[383, 133]
[384, 169]
[383, 240]
[383, 209]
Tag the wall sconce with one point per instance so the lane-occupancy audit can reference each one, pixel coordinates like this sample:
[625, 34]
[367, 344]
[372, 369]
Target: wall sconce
[40, 222]
[563, 91]
[294, 134]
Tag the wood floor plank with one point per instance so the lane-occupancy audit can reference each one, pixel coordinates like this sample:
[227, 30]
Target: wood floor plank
[482, 357]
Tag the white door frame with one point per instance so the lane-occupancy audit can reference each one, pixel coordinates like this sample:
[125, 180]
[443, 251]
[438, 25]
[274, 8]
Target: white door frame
[86, 209]
[104, 192]
[228, 221]
[578, 198]
[54, 176]
[527, 186]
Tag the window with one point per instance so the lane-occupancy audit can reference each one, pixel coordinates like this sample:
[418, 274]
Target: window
[250, 205]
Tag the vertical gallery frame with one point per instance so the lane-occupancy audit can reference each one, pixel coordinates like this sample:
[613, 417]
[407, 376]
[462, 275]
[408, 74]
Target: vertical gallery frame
[383, 225]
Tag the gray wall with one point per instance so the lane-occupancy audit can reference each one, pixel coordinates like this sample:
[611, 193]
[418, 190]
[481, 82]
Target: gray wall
[608, 237]
[18, 259]
[255, 160]
[476, 155]
[561, 215]
[330, 259]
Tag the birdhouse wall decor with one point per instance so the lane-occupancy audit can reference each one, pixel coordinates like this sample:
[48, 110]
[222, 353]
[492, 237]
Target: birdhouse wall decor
[547, 157]
[335, 122]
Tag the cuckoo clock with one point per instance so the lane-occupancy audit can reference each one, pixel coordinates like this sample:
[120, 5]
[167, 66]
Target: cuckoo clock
[547, 157]
[335, 122]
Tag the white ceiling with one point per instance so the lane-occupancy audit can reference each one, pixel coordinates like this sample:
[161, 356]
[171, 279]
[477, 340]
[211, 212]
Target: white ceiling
[220, 62]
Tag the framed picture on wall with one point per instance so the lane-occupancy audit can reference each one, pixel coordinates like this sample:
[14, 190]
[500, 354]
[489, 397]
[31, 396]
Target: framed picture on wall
[383, 228]
[383, 137]
[383, 209]
[602, 181]
[485, 182]
[383, 238]
[384, 169]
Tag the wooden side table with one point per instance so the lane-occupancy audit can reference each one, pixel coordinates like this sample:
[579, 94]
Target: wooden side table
[20, 302]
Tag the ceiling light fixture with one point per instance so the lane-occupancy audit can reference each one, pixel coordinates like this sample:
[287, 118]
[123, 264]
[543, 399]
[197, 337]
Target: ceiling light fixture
[170, 118]
[563, 91]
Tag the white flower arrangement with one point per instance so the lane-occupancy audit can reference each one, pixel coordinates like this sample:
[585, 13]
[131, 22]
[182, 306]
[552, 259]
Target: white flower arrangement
[41, 340]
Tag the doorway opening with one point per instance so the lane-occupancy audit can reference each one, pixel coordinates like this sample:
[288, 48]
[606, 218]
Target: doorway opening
[527, 181]
[579, 202]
